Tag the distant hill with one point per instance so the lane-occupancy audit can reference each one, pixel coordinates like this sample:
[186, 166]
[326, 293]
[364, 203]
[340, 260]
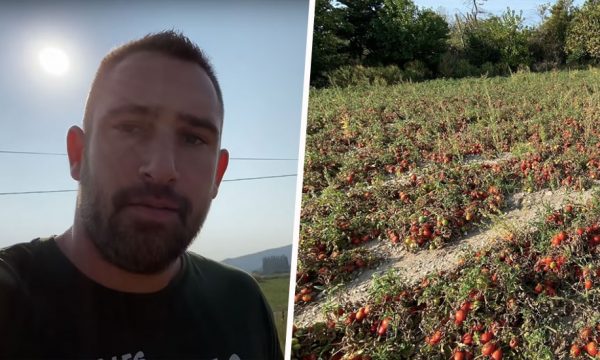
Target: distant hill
[252, 262]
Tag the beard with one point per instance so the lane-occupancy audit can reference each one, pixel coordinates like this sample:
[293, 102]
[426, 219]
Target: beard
[132, 244]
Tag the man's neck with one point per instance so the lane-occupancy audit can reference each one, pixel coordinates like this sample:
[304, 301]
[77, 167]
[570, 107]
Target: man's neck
[80, 250]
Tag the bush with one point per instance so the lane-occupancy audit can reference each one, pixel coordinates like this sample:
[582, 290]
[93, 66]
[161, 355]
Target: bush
[583, 38]
[416, 71]
[359, 75]
[488, 69]
[498, 39]
[453, 66]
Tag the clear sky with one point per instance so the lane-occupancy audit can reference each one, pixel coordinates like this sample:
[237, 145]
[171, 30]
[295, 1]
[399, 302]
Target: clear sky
[529, 7]
[258, 51]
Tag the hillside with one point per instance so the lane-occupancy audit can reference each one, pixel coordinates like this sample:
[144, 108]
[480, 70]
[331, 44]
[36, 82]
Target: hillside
[253, 262]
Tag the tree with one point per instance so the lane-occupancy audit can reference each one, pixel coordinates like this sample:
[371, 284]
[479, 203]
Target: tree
[476, 8]
[403, 34]
[329, 49]
[549, 39]
[393, 33]
[431, 36]
[275, 264]
[498, 39]
[359, 17]
[583, 36]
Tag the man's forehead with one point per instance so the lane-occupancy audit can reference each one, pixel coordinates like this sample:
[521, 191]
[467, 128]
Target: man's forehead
[158, 82]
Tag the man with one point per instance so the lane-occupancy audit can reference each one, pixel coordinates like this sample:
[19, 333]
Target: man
[119, 283]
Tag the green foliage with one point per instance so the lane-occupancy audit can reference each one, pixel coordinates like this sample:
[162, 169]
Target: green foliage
[350, 36]
[392, 32]
[452, 65]
[416, 70]
[547, 42]
[431, 33]
[328, 47]
[359, 17]
[359, 75]
[583, 39]
[403, 33]
[498, 39]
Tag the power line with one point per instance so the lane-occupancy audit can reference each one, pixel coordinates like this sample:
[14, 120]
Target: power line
[226, 180]
[260, 177]
[29, 152]
[63, 154]
[273, 159]
[35, 192]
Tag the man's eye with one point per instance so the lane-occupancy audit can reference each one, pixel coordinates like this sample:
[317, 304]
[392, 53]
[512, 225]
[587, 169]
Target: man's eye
[193, 140]
[129, 128]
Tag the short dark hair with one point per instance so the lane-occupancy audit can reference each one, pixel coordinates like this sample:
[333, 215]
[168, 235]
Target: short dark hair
[169, 43]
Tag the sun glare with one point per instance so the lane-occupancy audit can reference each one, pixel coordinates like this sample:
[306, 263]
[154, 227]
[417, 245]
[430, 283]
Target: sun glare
[54, 61]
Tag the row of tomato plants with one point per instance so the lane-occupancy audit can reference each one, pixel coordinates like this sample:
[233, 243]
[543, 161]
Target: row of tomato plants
[380, 172]
[535, 295]
[430, 209]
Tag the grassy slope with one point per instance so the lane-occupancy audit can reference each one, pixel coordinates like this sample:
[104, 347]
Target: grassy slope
[276, 291]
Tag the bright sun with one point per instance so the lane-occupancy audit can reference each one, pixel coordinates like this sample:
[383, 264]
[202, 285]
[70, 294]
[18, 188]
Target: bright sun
[54, 61]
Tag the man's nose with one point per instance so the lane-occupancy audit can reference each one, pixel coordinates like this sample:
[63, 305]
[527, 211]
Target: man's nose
[159, 165]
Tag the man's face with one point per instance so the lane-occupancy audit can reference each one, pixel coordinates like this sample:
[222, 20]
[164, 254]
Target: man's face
[152, 163]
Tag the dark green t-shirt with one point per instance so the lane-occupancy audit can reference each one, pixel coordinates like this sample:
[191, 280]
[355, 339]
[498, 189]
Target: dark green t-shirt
[48, 309]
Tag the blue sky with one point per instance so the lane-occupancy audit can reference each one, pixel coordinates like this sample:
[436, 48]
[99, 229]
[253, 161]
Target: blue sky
[529, 7]
[258, 51]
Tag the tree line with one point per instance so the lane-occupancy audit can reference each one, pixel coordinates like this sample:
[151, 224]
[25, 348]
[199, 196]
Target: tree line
[389, 41]
[275, 264]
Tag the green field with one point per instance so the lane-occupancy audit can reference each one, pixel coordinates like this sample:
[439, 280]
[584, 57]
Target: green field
[276, 291]
[420, 166]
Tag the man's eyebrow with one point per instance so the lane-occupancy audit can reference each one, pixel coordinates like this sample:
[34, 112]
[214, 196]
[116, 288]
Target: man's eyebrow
[129, 109]
[189, 119]
[198, 122]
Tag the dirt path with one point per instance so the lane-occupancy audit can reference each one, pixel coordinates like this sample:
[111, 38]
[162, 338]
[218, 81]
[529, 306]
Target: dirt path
[522, 208]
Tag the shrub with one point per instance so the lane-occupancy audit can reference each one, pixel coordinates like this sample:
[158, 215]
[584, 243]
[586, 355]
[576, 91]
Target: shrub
[359, 75]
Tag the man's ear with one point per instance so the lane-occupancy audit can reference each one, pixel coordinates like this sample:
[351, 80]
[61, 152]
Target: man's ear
[75, 146]
[221, 167]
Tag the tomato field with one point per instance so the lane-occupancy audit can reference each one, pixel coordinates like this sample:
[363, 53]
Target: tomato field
[419, 168]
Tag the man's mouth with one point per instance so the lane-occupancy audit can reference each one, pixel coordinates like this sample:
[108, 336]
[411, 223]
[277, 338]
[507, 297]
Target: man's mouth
[156, 209]
[159, 204]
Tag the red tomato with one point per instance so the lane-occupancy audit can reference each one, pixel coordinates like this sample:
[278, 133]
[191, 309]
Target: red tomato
[467, 339]
[459, 355]
[488, 349]
[591, 348]
[383, 327]
[497, 354]
[435, 338]
[360, 314]
[539, 288]
[575, 350]
[585, 333]
[460, 316]
[562, 236]
[486, 337]
[466, 306]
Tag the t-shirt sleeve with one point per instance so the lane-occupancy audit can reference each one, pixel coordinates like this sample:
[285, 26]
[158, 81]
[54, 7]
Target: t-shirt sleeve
[235, 298]
[13, 316]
